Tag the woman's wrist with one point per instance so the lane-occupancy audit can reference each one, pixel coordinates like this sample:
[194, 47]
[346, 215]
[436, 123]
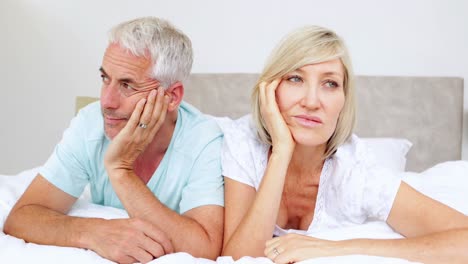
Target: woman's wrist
[279, 157]
[282, 149]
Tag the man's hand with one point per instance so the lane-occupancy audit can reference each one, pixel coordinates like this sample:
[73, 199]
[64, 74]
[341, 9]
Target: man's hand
[131, 141]
[129, 241]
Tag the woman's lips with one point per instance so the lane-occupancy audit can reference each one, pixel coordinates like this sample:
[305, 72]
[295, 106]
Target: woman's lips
[308, 121]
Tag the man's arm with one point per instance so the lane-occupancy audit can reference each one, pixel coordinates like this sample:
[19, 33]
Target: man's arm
[198, 231]
[40, 217]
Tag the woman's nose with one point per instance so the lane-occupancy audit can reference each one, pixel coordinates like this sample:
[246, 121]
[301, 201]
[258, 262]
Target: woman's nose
[311, 97]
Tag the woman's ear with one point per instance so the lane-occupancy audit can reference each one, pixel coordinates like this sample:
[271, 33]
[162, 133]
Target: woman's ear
[175, 93]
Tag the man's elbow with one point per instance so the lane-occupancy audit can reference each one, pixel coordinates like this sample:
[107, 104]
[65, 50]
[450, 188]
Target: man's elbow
[210, 254]
[13, 223]
[212, 250]
[9, 225]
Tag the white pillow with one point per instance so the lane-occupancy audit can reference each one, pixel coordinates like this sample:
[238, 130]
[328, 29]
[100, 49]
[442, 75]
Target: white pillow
[389, 152]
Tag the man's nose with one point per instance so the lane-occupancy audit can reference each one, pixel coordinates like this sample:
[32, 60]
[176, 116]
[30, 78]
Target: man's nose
[110, 96]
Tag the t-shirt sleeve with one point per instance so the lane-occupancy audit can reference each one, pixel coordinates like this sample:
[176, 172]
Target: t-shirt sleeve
[65, 168]
[205, 185]
[366, 190]
[380, 186]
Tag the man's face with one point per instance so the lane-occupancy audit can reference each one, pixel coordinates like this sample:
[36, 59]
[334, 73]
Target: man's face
[125, 80]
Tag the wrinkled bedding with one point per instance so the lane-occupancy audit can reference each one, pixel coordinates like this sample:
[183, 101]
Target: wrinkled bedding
[446, 182]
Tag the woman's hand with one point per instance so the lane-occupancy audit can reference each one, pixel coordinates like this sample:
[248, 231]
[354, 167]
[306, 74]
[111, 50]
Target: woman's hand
[294, 248]
[280, 134]
[145, 121]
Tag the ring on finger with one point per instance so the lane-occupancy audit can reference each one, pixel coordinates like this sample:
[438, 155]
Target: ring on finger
[276, 252]
[142, 125]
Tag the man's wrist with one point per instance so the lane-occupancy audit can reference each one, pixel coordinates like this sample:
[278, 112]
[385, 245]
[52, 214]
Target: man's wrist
[82, 236]
[118, 173]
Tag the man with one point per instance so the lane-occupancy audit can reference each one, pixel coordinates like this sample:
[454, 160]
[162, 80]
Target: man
[142, 149]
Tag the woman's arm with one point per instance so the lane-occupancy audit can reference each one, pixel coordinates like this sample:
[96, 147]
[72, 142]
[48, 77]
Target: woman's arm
[435, 233]
[414, 214]
[250, 216]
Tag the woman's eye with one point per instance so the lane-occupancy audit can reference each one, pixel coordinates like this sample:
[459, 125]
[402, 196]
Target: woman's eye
[295, 79]
[331, 84]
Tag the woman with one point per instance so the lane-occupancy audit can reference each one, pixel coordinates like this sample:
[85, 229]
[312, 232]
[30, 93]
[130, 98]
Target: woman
[295, 165]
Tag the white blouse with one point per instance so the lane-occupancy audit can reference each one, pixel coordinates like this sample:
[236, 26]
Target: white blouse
[352, 188]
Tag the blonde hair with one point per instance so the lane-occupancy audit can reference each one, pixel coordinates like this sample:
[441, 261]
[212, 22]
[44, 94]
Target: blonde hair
[304, 46]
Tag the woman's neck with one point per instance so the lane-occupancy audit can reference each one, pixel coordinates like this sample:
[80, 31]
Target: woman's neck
[307, 162]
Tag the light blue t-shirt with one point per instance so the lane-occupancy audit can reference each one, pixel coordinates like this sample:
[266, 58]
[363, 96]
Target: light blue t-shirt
[188, 176]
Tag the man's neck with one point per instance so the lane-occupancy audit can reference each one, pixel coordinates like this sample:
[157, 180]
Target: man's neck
[148, 161]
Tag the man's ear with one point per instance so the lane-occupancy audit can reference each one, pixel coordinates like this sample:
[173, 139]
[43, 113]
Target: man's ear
[175, 93]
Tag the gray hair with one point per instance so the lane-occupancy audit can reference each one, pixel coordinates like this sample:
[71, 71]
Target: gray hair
[169, 48]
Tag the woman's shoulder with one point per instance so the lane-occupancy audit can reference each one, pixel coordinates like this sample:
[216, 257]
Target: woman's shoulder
[370, 188]
[238, 130]
[354, 150]
[244, 155]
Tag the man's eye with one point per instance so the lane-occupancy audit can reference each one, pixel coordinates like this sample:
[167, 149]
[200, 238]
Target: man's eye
[105, 79]
[126, 86]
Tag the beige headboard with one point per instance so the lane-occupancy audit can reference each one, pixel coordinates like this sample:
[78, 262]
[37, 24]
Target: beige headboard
[426, 110]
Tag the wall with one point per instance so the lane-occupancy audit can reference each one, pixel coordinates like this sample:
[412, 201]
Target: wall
[51, 50]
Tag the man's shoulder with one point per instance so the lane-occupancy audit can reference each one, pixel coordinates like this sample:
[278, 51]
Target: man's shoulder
[194, 121]
[90, 109]
[196, 128]
[89, 121]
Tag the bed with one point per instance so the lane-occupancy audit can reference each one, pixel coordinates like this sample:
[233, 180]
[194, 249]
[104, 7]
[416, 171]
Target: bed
[414, 124]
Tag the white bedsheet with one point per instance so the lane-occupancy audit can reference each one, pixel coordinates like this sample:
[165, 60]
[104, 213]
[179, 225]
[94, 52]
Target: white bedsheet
[447, 182]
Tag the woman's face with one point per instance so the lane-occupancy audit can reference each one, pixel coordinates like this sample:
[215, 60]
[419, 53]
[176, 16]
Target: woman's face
[310, 100]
